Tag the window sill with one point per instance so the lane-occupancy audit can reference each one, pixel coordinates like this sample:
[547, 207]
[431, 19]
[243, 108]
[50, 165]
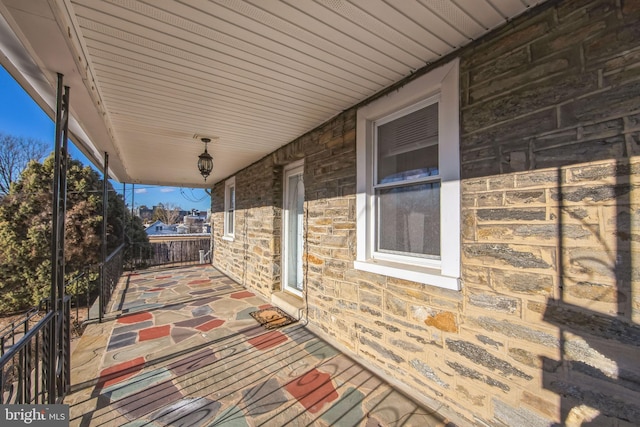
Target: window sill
[428, 276]
[228, 238]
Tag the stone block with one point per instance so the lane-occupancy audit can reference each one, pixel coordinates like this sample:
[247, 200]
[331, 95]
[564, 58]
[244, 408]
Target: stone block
[394, 305]
[468, 225]
[514, 330]
[444, 321]
[510, 62]
[586, 322]
[609, 172]
[525, 357]
[535, 96]
[473, 185]
[389, 327]
[505, 41]
[370, 310]
[608, 404]
[524, 197]
[482, 357]
[594, 291]
[550, 410]
[613, 41]
[385, 353]
[427, 372]
[471, 373]
[348, 291]
[594, 264]
[493, 302]
[522, 282]
[406, 346]
[474, 276]
[515, 256]
[617, 101]
[369, 298]
[490, 199]
[512, 214]
[446, 304]
[538, 233]
[489, 341]
[570, 36]
[577, 152]
[408, 294]
[518, 416]
[527, 73]
[545, 178]
[368, 331]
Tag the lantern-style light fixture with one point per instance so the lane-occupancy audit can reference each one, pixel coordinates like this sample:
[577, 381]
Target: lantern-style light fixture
[205, 161]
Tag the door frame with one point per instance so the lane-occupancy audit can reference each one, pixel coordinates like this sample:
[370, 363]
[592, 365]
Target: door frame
[292, 169]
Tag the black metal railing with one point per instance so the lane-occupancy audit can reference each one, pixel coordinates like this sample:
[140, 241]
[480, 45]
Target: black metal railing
[83, 290]
[178, 252]
[110, 272]
[26, 376]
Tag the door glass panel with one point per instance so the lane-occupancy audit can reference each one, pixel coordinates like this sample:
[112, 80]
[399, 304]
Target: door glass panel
[293, 231]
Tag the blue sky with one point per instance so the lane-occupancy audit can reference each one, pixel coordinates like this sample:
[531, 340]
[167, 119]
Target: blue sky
[21, 116]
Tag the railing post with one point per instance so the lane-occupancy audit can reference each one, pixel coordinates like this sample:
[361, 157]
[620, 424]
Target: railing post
[59, 205]
[105, 206]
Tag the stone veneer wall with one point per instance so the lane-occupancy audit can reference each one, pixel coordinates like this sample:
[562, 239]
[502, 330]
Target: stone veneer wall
[545, 327]
[252, 258]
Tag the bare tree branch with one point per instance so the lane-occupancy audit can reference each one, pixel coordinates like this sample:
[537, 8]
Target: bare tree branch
[167, 213]
[15, 155]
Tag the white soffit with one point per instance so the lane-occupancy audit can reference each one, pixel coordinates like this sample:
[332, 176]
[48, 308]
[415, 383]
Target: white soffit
[255, 74]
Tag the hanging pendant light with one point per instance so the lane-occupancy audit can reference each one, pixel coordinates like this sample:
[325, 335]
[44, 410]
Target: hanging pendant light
[205, 161]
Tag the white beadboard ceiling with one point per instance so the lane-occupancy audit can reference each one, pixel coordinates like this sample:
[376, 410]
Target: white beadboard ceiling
[149, 77]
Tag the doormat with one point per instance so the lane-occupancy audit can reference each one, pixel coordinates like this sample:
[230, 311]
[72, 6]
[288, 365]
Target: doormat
[272, 318]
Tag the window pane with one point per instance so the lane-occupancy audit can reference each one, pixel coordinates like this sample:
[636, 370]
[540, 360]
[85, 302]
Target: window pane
[295, 228]
[230, 222]
[408, 146]
[409, 219]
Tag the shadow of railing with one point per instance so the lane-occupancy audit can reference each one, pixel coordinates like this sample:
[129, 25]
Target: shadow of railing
[245, 372]
[598, 365]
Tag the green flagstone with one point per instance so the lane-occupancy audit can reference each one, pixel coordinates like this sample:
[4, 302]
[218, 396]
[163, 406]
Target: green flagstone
[320, 349]
[230, 417]
[187, 412]
[265, 397]
[141, 423]
[244, 314]
[137, 383]
[347, 411]
[145, 349]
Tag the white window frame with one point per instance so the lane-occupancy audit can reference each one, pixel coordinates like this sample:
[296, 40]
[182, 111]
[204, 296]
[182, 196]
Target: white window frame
[439, 85]
[229, 184]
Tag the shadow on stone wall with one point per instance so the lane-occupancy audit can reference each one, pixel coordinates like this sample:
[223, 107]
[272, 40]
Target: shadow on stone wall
[598, 366]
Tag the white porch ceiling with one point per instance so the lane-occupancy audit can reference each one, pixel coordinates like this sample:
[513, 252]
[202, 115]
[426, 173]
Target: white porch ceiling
[148, 75]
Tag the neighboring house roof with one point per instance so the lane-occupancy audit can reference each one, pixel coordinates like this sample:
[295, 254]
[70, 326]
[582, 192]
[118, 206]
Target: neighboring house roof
[160, 227]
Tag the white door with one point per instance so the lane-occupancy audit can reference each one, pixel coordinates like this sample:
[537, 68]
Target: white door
[293, 229]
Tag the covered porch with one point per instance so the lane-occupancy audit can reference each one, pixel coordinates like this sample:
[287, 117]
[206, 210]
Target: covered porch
[179, 347]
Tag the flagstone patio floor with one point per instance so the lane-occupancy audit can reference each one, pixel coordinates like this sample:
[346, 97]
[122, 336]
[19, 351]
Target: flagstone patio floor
[180, 348]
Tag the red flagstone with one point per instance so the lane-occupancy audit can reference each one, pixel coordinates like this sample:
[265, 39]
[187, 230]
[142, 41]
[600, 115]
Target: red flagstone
[263, 306]
[199, 282]
[313, 390]
[243, 294]
[268, 340]
[155, 332]
[135, 318]
[163, 277]
[120, 372]
[154, 290]
[210, 325]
